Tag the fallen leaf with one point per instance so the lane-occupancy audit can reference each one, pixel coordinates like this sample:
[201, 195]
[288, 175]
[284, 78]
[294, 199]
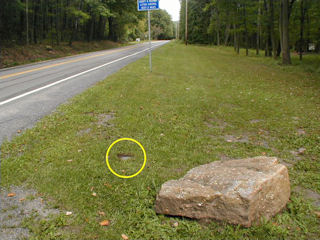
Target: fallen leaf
[68, 213]
[317, 214]
[79, 150]
[11, 194]
[94, 194]
[141, 107]
[70, 160]
[107, 185]
[105, 223]
[101, 213]
[124, 237]
[92, 188]
[22, 199]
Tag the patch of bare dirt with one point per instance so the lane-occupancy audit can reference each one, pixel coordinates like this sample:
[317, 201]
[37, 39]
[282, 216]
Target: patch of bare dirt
[84, 132]
[16, 204]
[216, 123]
[309, 194]
[105, 118]
[237, 139]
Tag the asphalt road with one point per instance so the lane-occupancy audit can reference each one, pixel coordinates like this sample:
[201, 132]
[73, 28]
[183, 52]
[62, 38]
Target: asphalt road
[30, 92]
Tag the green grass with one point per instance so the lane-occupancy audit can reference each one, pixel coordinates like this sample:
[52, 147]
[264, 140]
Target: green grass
[181, 114]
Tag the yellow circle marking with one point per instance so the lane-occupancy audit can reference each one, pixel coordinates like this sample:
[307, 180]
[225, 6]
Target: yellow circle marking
[144, 156]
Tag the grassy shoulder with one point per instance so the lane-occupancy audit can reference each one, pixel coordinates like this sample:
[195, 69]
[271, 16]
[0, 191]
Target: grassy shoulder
[199, 105]
[17, 55]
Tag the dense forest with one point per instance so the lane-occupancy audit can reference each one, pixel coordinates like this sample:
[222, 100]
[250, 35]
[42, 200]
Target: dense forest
[35, 21]
[274, 26]
[162, 26]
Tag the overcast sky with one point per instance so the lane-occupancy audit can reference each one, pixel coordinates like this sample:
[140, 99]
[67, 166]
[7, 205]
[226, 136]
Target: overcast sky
[172, 7]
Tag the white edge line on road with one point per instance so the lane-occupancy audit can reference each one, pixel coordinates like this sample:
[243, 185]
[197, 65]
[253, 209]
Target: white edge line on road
[71, 77]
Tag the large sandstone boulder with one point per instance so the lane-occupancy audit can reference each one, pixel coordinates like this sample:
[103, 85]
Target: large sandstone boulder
[236, 191]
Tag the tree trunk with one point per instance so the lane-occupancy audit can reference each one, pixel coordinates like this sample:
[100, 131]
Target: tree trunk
[21, 27]
[272, 34]
[234, 37]
[74, 29]
[35, 23]
[279, 49]
[238, 43]
[280, 27]
[268, 53]
[227, 34]
[227, 31]
[57, 23]
[258, 30]
[112, 33]
[302, 17]
[246, 30]
[27, 20]
[91, 27]
[308, 30]
[286, 58]
[237, 36]
[218, 28]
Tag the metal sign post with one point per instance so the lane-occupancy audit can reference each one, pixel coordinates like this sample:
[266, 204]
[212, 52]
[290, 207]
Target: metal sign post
[148, 5]
[150, 45]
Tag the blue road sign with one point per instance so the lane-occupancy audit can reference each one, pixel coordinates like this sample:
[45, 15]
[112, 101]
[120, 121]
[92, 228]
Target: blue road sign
[146, 5]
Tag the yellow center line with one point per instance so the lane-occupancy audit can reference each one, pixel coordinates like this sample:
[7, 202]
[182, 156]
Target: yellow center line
[62, 63]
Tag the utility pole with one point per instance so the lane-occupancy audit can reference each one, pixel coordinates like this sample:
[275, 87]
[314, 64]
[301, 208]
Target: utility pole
[27, 18]
[186, 32]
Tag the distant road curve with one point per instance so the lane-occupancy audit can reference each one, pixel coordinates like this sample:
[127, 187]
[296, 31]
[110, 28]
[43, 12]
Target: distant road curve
[30, 92]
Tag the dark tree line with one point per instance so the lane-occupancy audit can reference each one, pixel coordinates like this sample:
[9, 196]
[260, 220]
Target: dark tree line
[275, 26]
[35, 21]
[32, 21]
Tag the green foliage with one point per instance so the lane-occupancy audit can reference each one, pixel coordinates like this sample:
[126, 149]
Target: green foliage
[161, 25]
[181, 114]
[250, 23]
[76, 20]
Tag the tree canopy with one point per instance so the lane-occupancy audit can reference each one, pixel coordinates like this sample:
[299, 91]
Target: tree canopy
[161, 25]
[274, 26]
[34, 21]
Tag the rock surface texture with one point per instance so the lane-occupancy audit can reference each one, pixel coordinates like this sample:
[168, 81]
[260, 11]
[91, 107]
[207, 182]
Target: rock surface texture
[239, 191]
